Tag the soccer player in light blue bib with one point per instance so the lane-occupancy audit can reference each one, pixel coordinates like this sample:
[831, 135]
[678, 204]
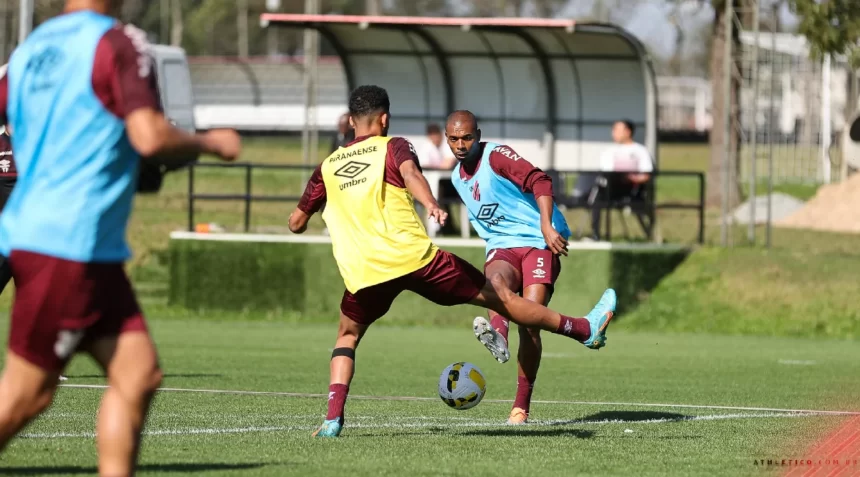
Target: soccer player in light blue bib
[511, 207]
[80, 96]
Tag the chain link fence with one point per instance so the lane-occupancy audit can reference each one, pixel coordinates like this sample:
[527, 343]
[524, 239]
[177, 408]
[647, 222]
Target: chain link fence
[791, 106]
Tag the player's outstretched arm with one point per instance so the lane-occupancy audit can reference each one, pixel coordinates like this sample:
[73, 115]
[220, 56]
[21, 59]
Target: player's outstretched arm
[556, 243]
[417, 185]
[310, 203]
[299, 221]
[152, 136]
[531, 180]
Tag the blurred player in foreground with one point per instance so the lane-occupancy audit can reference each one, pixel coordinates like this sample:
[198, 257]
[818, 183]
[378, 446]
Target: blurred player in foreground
[80, 98]
[382, 249]
[8, 177]
[511, 206]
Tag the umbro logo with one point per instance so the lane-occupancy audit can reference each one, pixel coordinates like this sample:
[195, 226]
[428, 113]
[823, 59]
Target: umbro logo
[351, 169]
[487, 211]
[538, 273]
[487, 214]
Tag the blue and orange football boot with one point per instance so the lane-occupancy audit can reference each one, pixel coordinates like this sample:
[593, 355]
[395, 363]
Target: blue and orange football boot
[599, 318]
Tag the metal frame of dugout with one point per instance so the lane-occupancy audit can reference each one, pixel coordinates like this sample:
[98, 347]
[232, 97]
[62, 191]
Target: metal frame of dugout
[549, 89]
[643, 209]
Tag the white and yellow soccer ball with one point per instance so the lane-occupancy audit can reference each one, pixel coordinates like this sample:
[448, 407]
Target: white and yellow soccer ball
[462, 386]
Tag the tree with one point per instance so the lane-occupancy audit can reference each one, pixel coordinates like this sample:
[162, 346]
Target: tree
[716, 169]
[516, 8]
[831, 27]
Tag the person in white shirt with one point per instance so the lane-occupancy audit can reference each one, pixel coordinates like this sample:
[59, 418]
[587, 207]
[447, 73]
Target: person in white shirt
[435, 153]
[625, 156]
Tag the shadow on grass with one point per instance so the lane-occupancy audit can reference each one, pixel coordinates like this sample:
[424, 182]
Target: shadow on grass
[526, 431]
[632, 416]
[80, 470]
[635, 274]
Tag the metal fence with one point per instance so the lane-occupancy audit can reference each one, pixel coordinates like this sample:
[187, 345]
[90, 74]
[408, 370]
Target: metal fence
[791, 106]
[645, 208]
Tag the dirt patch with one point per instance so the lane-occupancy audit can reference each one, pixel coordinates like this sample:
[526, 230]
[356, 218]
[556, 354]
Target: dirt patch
[835, 208]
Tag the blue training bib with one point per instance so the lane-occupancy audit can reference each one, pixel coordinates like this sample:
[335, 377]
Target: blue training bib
[76, 168]
[502, 214]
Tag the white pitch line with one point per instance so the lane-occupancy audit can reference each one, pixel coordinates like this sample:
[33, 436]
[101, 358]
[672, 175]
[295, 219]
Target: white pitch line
[442, 242]
[797, 362]
[498, 401]
[404, 424]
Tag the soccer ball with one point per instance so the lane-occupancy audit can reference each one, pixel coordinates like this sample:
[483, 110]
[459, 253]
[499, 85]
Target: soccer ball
[462, 386]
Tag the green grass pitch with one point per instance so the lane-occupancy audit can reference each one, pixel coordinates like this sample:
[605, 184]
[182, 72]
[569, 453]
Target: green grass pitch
[242, 398]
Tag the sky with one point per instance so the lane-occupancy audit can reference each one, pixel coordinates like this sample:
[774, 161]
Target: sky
[652, 21]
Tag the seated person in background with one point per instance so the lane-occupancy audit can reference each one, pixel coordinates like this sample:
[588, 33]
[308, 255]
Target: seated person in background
[435, 154]
[625, 156]
[345, 134]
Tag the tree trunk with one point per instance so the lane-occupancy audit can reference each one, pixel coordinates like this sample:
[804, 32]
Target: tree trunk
[715, 179]
[176, 29]
[242, 29]
[132, 11]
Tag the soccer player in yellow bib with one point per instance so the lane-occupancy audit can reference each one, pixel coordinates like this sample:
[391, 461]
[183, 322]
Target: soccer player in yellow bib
[382, 249]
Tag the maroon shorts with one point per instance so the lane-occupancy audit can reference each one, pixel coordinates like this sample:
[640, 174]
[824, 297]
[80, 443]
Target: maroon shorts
[534, 266]
[61, 306]
[448, 280]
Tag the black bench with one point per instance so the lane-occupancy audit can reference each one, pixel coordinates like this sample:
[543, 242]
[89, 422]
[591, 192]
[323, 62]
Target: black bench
[584, 195]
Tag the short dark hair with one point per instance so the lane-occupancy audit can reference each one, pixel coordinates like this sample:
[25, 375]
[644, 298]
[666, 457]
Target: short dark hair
[629, 125]
[367, 100]
[433, 128]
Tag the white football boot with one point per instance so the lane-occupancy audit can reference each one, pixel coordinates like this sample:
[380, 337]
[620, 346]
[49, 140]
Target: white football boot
[491, 339]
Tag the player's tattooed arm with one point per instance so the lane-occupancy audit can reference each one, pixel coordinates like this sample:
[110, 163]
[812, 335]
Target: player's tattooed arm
[402, 163]
[417, 185]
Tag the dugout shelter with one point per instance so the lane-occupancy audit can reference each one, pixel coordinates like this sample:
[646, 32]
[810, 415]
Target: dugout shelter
[550, 89]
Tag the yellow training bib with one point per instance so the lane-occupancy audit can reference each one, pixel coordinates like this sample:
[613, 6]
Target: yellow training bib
[376, 233]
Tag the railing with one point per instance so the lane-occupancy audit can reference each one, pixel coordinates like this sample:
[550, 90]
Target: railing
[646, 206]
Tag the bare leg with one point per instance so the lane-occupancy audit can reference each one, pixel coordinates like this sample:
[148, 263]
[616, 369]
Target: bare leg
[133, 374]
[589, 331]
[510, 276]
[528, 356]
[349, 334]
[26, 390]
[342, 365]
[497, 297]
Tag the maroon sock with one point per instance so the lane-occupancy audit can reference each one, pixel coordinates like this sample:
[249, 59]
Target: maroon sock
[576, 328]
[500, 324]
[336, 400]
[524, 393]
